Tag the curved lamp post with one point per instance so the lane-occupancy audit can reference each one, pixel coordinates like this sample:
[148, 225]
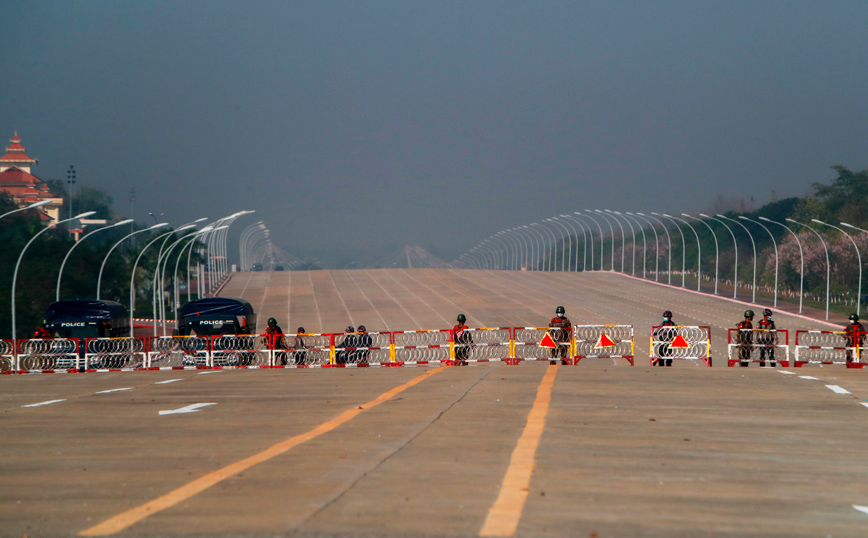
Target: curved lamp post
[683, 248]
[104, 260]
[584, 241]
[801, 257]
[553, 249]
[735, 247]
[858, 257]
[775, 243]
[716, 248]
[63, 264]
[564, 237]
[698, 251]
[753, 244]
[31, 206]
[577, 217]
[15, 275]
[669, 249]
[602, 253]
[633, 232]
[828, 264]
[606, 218]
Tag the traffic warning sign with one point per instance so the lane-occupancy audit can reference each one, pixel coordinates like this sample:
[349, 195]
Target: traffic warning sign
[604, 341]
[679, 342]
[548, 341]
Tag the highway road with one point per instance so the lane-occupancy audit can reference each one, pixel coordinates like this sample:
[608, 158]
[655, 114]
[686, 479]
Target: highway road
[600, 449]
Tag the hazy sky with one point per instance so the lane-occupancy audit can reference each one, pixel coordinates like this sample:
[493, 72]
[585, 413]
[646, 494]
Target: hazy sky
[354, 128]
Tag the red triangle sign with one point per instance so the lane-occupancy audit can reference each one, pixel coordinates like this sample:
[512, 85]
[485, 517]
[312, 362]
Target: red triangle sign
[547, 341]
[679, 342]
[604, 341]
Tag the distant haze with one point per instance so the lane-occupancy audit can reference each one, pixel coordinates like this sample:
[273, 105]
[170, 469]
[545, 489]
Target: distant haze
[355, 128]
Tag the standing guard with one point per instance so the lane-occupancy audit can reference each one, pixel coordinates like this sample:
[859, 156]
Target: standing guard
[560, 333]
[666, 336]
[766, 339]
[854, 332]
[462, 340]
[745, 337]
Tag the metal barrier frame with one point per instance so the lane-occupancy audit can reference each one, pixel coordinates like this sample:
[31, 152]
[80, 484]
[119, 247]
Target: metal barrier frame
[855, 351]
[577, 329]
[653, 358]
[733, 345]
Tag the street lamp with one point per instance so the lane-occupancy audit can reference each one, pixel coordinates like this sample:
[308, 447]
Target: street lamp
[606, 218]
[551, 250]
[15, 275]
[188, 246]
[575, 216]
[683, 249]
[576, 235]
[632, 232]
[776, 253]
[102, 267]
[716, 248]
[31, 206]
[70, 180]
[564, 237]
[668, 249]
[602, 253]
[828, 264]
[532, 241]
[801, 256]
[859, 259]
[644, 241]
[133, 277]
[735, 247]
[698, 252]
[753, 244]
[60, 274]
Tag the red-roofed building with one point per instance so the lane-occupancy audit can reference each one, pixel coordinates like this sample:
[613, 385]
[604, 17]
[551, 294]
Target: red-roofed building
[24, 187]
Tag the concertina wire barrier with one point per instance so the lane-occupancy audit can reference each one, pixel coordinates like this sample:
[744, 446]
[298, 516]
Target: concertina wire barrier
[328, 350]
[829, 347]
[680, 342]
[745, 346]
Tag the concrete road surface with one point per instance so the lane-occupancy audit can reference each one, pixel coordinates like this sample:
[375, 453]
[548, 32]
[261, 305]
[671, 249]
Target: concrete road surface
[600, 449]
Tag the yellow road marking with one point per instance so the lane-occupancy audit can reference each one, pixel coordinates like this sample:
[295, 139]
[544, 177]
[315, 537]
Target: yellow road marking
[128, 518]
[504, 514]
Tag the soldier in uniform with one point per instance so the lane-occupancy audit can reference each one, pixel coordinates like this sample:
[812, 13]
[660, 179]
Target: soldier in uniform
[274, 339]
[298, 346]
[560, 333]
[745, 337]
[854, 332]
[462, 339]
[767, 339]
[666, 336]
[363, 339]
[343, 356]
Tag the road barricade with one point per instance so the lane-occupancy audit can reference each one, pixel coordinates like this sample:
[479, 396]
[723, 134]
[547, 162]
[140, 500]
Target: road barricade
[421, 347]
[362, 349]
[758, 345]
[828, 347]
[680, 342]
[7, 357]
[603, 342]
[315, 350]
[49, 355]
[123, 353]
[239, 351]
[527, 345]
[487, 344]
[178, 352]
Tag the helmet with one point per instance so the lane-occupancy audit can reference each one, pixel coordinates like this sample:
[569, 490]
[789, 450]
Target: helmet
[667, 314]
[559, 310]
[767, 312]
[350, 329]
[461, 318]
[362, 329]
[854, 317]
[748, 314]
[272, 322]
[300, 330]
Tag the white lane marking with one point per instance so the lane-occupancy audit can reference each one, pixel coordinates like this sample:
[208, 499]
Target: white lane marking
[786, 372]
[167, 381]
[808, 377]
[43, 403]
[865, 404]
[194, 408]
[861, 508]
[837, 390]
[114, 390]
[211, 372]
